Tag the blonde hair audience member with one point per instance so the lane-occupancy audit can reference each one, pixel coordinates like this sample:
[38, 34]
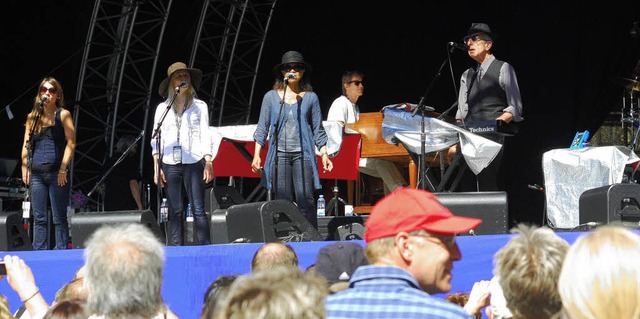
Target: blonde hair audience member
[528, 267]
[600, 277]
[279, 292]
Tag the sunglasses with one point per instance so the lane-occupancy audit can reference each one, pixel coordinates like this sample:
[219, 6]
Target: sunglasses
[448, 241]
[294, 67]
[357, 82]
[52, 90]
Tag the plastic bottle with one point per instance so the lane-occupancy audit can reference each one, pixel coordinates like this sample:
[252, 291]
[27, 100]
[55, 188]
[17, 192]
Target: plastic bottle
[189, 226]
[320, 206]
[164, 211]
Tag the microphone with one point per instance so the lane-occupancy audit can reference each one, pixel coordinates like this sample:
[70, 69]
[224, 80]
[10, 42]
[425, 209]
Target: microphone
[289, 76]
[460, 46]
[181, 85]
[411, 107]
[536, 187]
[45, 98]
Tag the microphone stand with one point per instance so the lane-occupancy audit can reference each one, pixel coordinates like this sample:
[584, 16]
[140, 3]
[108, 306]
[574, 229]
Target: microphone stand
[158, 133]
[276, 132]
[120, 159]
[423, 109]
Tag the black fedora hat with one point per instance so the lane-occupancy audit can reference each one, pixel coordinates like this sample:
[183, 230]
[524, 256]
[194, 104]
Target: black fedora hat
[291, 57]
[479, 28]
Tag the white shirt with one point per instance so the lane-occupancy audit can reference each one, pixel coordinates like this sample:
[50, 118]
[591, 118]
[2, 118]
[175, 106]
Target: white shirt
[190, 131]
[343, 110]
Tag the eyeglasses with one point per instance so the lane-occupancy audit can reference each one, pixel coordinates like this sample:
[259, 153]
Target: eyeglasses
[448, 241]
[52, 90]
[357, 83]
[294, 67]
[476, 38]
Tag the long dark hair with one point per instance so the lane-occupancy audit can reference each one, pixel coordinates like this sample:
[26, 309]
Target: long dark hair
[37, 111]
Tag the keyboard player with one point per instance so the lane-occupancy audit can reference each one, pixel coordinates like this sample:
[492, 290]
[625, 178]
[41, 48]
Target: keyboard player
[344, 109]
[488, 92]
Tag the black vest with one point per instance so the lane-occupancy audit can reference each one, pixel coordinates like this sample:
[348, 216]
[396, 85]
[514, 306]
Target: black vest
[486, 99]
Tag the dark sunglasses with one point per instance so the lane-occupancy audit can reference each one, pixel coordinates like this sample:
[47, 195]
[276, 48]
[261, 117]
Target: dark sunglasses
[294, 67]
[357, 82]
[52, 90]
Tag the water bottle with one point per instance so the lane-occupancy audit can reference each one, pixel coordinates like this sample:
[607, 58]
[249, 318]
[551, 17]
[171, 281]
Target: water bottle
[164, 211]
[189, 226]
[320, 206]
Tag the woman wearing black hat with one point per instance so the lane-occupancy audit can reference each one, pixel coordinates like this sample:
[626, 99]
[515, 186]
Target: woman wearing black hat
[292, 119]
[182, 150]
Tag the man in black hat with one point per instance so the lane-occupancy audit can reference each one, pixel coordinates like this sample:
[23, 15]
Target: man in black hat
[182, 151]
[488, 92]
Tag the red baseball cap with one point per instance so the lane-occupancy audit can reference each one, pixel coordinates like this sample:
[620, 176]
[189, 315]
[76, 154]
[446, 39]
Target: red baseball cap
[410, 209]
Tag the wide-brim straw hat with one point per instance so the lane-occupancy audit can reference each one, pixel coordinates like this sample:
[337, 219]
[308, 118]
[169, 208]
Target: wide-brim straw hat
[195, 74]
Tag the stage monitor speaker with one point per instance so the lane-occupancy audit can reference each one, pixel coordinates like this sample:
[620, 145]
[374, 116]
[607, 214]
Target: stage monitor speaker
[353, 231]
[328, 226]
[491, 207]
[276, 220]
[85, 223]
[13, 236]
[221, 197]
[616, 203]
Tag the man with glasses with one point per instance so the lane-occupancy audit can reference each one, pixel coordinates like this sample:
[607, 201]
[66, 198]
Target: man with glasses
[345, 110]
[488, 92]
[411, 247]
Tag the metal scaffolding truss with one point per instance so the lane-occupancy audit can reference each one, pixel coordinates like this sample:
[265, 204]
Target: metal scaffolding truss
[115, 82]
[227, 47]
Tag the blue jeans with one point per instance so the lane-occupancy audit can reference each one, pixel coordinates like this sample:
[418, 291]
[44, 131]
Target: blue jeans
[295, 183]
[189, 175]
[45, 185]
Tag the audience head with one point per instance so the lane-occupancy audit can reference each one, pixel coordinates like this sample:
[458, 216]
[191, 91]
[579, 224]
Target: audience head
[279, 292]
[410, 229]
[215, 292]
[600, 277]
[80, 272]
[74, 289]
[68, 309]
[528, 267]
[274, 254]
[461, 299]
[5, 313]
[338, 261]
[124, 264]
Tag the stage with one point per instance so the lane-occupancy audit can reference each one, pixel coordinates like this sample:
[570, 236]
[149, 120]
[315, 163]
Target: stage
[190, 269]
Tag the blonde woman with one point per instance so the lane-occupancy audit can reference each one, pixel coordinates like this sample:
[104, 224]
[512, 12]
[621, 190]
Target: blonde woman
[600, 277]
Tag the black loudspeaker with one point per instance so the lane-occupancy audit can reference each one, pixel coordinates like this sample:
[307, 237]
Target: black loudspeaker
[491, 207]
[12, 233]
[276, 220]
[353, 231]
[221, 197]
[341, 227]
[617, 203]
[85, 223]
